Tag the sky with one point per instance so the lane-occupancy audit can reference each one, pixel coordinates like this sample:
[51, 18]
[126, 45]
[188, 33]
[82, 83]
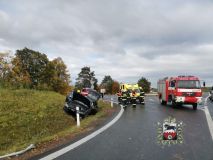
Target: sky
[126, 39]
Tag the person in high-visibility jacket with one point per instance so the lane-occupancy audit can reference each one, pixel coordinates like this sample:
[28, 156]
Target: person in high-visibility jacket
[124, 98]
[128, 96]
[119, 97]
[133, 99]
[142, 94]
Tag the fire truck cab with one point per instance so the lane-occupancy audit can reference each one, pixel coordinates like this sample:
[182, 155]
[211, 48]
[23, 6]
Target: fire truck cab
[180, 90]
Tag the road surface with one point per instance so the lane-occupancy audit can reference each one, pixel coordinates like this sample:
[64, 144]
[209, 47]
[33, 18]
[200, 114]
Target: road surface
[134, 135]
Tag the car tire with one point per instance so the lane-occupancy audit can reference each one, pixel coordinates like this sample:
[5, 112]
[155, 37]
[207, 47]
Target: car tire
[162, 102]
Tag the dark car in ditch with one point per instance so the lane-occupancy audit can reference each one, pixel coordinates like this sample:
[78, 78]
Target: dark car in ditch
[211, 95]
[87, 104]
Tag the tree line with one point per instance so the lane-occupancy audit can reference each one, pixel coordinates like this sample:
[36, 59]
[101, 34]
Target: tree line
[33, 70]
[86, 79]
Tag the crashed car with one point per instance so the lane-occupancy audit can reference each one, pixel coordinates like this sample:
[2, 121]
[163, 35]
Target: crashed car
[87, 104]
[85, 91]
[211, 95]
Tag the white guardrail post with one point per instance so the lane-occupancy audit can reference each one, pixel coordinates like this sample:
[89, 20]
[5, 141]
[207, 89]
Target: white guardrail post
[111, 102]
[78, 117]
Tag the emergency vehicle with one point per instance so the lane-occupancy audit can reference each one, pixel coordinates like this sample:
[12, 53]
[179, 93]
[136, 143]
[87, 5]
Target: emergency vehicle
[180, 90]
[131, 92]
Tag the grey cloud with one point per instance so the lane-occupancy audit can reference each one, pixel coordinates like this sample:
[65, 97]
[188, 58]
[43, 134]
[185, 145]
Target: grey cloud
[126, 39]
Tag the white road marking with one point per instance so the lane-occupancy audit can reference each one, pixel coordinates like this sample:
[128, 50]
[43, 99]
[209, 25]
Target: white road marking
[208, 117]
[83, 140]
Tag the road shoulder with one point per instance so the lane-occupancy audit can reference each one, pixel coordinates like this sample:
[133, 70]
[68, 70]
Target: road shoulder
[60, 142]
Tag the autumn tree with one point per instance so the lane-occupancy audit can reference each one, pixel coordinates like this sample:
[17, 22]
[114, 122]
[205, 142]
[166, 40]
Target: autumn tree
[5, 67]
[32, 69]
[115, 87]
[29, 67]
[56, 76]
[18, 76]
[110, 85]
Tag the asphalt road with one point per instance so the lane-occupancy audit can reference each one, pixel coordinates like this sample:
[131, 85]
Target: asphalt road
[134, 136]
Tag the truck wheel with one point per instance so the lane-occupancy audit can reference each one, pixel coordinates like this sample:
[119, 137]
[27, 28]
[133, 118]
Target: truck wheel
[134, 105]
[195, 106]
[162, 102]
[179, 104]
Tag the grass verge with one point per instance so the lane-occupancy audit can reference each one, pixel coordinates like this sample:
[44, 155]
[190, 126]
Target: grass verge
[29, 116]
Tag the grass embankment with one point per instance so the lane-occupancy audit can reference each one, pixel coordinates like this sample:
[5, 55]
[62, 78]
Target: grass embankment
[29, 116]
[206, 89]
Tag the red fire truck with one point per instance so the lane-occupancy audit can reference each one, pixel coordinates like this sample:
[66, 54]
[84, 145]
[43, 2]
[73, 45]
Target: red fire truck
[180, 90]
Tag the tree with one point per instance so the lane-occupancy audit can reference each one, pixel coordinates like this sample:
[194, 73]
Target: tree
[5, 68]
[29, 67]
[107, 83]
[145, 84]
[32, 69]
[56, 76]
[19, 77]
[107, 79]
[86, 79]
[94, 81]
[115, 87]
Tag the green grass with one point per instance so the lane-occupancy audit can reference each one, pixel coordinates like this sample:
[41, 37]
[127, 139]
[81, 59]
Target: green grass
[29, 116]
[206, 89]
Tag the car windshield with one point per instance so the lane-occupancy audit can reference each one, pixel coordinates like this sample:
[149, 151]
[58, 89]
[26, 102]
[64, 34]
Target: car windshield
[93, 95]
[191, 84]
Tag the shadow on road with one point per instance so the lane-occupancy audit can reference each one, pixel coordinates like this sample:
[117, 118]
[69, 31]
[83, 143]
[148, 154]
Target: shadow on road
[185, 108]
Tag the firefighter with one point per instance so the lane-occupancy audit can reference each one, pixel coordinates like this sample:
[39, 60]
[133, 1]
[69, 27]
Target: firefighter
[124, 99]
[133, 100]
[128, 96]
[211, 94]
[119, 97]
[142, 94]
